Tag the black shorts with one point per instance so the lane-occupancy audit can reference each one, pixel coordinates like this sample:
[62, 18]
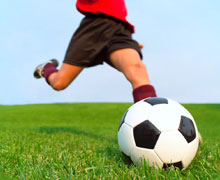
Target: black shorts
[95, 39]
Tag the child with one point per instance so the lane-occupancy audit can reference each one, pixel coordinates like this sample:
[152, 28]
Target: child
[104, 35]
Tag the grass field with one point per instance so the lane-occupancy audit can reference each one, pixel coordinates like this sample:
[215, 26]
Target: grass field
[79, 141]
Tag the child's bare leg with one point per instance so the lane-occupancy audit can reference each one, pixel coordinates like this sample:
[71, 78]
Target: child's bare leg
[57, 79]
[129, 63]
[61, 79]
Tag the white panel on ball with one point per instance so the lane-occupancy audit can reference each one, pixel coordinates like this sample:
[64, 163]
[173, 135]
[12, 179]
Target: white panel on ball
[138, 155]
[181, 109]
[126, 139]
[190, 152]
[138, 113]
[171, 146]
[165, 117]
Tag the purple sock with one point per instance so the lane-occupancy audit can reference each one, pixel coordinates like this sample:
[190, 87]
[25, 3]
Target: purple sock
[143, 92]
[48, 70]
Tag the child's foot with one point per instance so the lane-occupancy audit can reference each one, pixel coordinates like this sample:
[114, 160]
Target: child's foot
[38, 72]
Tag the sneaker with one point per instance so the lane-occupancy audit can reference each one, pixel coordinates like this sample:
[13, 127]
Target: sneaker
[38, 72]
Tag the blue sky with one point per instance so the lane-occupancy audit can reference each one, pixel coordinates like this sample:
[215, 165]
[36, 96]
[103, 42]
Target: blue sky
[182, 51]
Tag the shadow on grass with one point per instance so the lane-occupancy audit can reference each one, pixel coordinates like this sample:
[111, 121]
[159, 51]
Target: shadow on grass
[52, 130]
[109, 151]
[114, 154]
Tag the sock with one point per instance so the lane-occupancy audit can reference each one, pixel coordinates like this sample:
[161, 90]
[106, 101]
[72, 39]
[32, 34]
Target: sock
[143, 92]
[48, 70]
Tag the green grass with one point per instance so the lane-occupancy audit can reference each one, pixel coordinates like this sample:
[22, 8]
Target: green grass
[79, 141]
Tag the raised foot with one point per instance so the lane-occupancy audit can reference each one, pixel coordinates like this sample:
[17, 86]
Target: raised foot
[38, 72]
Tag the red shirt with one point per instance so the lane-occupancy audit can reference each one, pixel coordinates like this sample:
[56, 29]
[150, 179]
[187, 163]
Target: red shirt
[114, 8]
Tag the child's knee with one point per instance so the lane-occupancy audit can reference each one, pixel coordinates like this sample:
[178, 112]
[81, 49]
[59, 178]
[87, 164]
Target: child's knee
[138, 69]
[59, 85]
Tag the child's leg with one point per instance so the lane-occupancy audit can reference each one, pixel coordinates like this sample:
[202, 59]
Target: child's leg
[129, 63]
[57, 79]
[61, 79]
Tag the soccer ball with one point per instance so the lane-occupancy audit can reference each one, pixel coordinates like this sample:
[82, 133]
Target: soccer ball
[159, 132]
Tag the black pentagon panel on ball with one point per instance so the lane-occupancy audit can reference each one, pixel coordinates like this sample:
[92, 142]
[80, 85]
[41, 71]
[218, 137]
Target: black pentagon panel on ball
[176, 165]
[187, 129]
[156, 100]
[123, 119]
[146, 135]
